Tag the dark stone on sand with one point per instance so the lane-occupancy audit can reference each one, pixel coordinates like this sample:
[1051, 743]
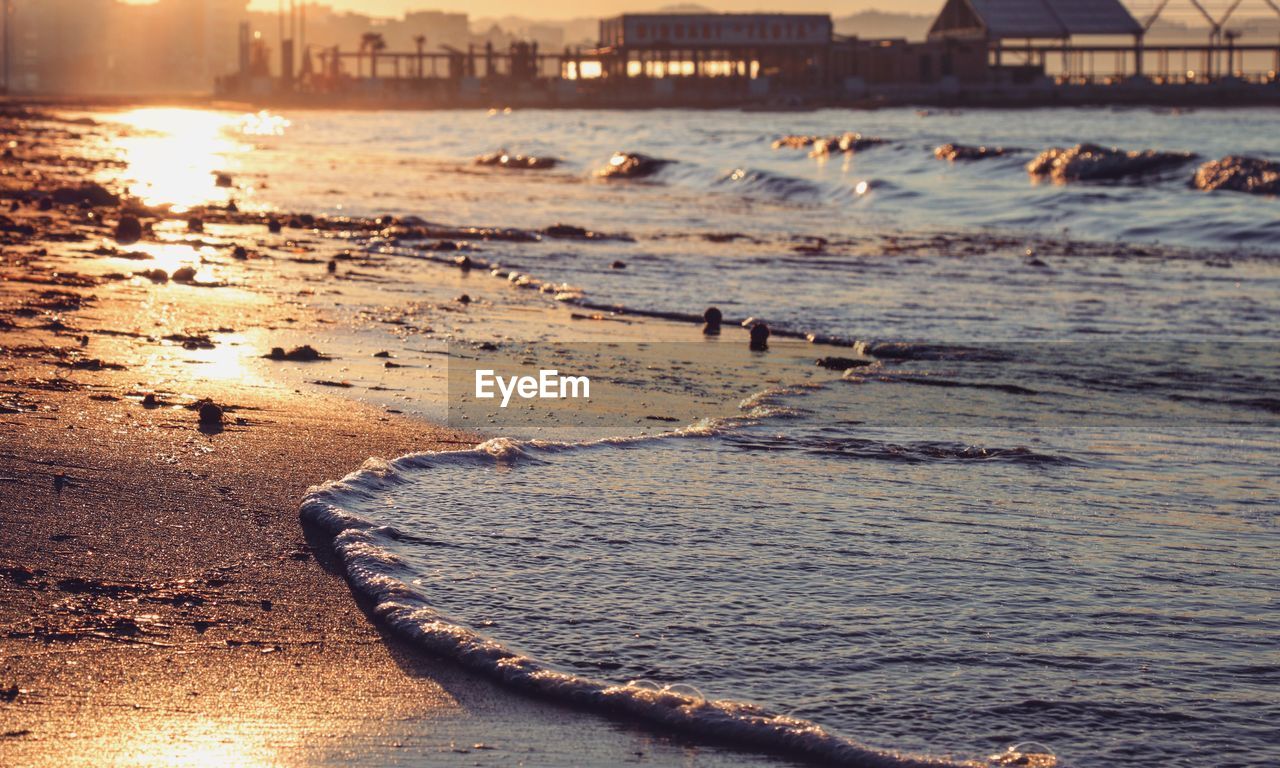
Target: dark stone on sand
[618, 265]
[9, 225]
[155, 275]
[842, 363]
[303, 354]
[128, 230]
[222, 180]
[504, 159]
[813, 245]
[195, 224]
[712, 319]
[232, 207]
[94, 194]
[956, 152]
[240, 252]
[332, 266]
[759, 337]
[383, 353]
[463, 299]
[184, 275]
[565, 230]
[463, 262]
[1090, 162]
[45, 204]
[629, 165]
[274, 226]
[149, 401]
[487, 346]
[1239, 174]
[210, 414]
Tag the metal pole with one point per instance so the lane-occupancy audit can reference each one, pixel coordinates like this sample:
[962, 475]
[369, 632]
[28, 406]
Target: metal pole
[8, 44]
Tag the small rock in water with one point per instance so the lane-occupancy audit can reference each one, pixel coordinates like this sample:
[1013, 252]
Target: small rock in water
[1239, 174]
[565, 230]
[128, 230]
[504, 159]
[759, 337]
[618, 265]
[1090, 162]
[629, 165]
[711, 321]
[842, 363]
[956, 152]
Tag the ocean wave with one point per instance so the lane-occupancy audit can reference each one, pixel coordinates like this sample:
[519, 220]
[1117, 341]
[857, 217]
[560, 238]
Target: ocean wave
[777, 186]
[377, 574]
[914, 452]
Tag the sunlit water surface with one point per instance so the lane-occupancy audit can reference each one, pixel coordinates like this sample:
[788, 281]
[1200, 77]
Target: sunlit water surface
[930, 582]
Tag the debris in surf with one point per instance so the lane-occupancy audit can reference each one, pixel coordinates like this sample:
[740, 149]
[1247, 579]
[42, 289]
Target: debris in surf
[961, 152]
[1239, 174]
[504, 159]
[843, 363]
[1090, 162]
[630, 165]
[849, 142]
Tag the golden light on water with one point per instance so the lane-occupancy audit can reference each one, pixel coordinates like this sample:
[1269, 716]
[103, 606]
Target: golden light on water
[174, 156]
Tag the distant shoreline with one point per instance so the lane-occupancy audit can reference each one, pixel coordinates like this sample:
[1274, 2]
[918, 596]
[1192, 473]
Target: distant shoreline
[1218, 95]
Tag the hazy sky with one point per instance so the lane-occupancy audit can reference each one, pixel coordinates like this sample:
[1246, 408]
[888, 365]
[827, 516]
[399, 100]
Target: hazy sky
[562, 9]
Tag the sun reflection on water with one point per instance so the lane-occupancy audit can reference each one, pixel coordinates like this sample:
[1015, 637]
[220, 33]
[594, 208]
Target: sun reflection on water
[175, 156]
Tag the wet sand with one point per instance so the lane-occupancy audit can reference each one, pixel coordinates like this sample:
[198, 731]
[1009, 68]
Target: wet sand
[159, 602]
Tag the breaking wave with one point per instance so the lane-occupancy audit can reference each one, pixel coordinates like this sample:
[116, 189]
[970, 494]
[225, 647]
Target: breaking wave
[379, 575]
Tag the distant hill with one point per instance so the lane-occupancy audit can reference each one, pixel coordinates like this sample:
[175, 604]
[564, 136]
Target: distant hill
[880, 24]
[684, 8]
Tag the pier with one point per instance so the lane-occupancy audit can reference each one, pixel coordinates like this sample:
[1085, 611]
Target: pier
[977, 52]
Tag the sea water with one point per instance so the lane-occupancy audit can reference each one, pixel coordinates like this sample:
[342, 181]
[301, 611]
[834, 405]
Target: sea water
[1046, 511]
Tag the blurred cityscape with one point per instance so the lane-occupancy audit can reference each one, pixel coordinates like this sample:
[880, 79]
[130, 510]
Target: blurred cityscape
[183, 46]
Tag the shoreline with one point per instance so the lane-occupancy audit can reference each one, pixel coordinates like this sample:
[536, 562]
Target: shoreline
[161, 601]
[161, 604]
[1116, 97]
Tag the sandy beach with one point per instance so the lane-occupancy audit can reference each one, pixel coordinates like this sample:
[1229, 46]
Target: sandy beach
[993, 488]
[159, 600]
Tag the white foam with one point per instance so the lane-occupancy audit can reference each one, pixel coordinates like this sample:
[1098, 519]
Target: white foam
[375, 573]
